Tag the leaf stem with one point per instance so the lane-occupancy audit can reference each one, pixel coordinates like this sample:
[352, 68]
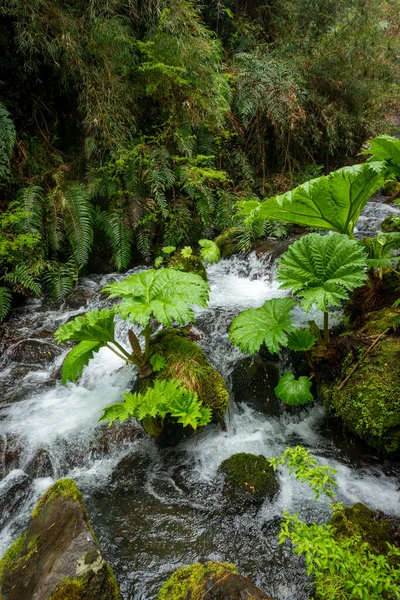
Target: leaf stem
[326, 327]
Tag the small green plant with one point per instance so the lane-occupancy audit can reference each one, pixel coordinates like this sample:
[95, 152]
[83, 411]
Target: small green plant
[294, 391]
[166, 397]
[209, 251]
[344, 567]
[322, 270]
[380, 251]
[163, 295]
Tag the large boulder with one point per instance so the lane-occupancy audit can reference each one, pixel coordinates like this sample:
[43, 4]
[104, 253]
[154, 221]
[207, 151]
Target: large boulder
[211, 581]
[58, 557]
[369, 403]
[249, 479]
[254, 380]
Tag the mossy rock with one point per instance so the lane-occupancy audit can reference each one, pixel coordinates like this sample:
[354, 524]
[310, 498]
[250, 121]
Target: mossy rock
[211, 581]
[58, 556]
[391, 187]
[369, 403]
[373, 526]
[186, 362]
[189, 264]
[380, 320]
[227, 241]
[391, 224]
[249, 477]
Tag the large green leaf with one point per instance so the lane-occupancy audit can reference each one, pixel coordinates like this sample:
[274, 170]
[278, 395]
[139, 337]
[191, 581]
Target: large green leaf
[301, 340]
[209, 251]
[78, 358]
[322, 270]
[387, 148]
[166, 294]
[294, 391]
[267, 325]
[331, 202]
[95, 326]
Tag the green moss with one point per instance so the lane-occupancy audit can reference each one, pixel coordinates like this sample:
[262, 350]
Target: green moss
[367, 523]
[369, 403]
[250, 474]
[62, 487]
[92, 586]
[391, 224]
[191, 582]
[227, 241]
[379, 321]
[186, 362]
[391, 187]
[190, 264]
[10, 558]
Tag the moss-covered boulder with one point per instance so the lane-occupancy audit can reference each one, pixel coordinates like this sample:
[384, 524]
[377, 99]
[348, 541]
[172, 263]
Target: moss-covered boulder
[380, 320]
[373, 526]
[58, 556]
[190, 264]
[391, 224]
[369, 403]
[227, 241]
[186, 362]
[213, 581]
[249, 478]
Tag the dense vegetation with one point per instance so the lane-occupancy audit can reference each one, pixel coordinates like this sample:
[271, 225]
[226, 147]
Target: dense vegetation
[127, 126]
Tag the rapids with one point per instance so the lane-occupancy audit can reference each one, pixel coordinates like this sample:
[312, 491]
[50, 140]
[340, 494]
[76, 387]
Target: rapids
[156, 510]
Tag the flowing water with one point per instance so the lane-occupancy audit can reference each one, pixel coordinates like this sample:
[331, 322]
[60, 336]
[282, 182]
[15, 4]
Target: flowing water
[156, 510]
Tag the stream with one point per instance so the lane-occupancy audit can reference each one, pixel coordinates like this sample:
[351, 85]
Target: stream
[157, 510]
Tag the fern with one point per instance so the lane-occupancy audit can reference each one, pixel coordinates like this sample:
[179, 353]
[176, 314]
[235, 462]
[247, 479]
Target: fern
[120, 235]
[269, 325]
[5, 302]
[61, 278]
[23, 279]
[322, 270]
[78, 217]
[31, 199]
[7, 140]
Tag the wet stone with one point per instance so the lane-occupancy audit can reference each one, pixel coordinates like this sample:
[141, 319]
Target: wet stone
[253, 382]
[14, 490]
[10, 454]
[40, 465]
[32, 352]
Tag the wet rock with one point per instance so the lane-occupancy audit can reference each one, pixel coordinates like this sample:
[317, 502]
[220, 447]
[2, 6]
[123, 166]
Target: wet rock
[79, 298]
[227, 241]
[14, 490]
[391, 224]
[214, 581]
[190, 264]
[272, 248]
[40, 465]
[369, 403]
[10, 454]
[253, 382]
[374, 527]
[107, 438]
[58, 557]
[32, 352]
[249, 479]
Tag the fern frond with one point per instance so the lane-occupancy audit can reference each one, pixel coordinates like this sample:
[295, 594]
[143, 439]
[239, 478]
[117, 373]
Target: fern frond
[31, 199]
[7, 140]
[78, 215]
[120, 235]
[22, 279]
[61, 278]
[5, 302]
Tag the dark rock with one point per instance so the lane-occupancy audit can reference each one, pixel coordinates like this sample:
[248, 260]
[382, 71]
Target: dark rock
[58, 557]
[108, 438]
[249, 479]
[79, 298]
[14, 490]
[10, 454]
[40, 465]
[214, 581]
[254, 381]
[32, 352]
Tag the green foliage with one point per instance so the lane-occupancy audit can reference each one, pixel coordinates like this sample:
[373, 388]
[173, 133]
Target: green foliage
[269, 325]
[95, 326]
[301, 340]
[5, 302]
[209, 251]
[186, 252]
[7, 140]
[165, 294]
[380, 251]
[322, 270]
[332, 202]
[77, 358]
[158, 362]
[294, 391]
[386, 148]
[165, 397]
